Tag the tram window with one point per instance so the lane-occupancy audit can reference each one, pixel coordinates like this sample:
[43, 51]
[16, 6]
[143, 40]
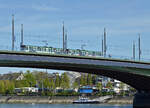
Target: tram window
[44, 49]
[30, 48]
[39, 49]
[49, 49]
[25, 48]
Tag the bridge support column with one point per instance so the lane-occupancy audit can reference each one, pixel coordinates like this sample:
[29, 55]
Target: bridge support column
[141, 100]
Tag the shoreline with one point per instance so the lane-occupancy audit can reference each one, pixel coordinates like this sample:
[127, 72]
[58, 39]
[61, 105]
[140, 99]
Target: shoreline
[57, 100]
[120, 100]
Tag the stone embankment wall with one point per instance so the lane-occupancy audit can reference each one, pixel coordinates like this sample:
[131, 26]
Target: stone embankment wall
[37, 99]
[121, 100]
[57, 99]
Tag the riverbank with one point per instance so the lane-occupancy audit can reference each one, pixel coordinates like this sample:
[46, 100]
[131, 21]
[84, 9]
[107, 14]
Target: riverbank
[38, 99]
[57, 99]
[120, 100]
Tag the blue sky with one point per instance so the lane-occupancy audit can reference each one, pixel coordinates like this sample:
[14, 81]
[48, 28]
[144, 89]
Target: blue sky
[84, 21]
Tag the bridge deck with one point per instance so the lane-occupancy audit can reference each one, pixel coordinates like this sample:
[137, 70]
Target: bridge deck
[134, 73]
[70, 56]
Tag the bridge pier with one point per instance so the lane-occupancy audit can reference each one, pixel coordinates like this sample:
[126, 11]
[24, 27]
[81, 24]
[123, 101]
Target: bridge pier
[141, 100]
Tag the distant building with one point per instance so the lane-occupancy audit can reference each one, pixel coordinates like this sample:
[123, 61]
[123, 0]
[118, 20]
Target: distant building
[117, 90]
[119, 86]
[104, 80]
[12, 76]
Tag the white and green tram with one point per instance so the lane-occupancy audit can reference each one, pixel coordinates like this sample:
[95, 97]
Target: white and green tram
[52, 50]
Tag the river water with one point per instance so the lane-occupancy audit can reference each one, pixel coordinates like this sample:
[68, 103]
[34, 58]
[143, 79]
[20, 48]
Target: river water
[62, 106]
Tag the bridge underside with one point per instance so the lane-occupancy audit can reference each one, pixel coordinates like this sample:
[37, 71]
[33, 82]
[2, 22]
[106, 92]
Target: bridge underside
[127, 75]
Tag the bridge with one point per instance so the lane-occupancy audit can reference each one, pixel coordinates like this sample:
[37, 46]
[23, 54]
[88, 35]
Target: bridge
[134, 73]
